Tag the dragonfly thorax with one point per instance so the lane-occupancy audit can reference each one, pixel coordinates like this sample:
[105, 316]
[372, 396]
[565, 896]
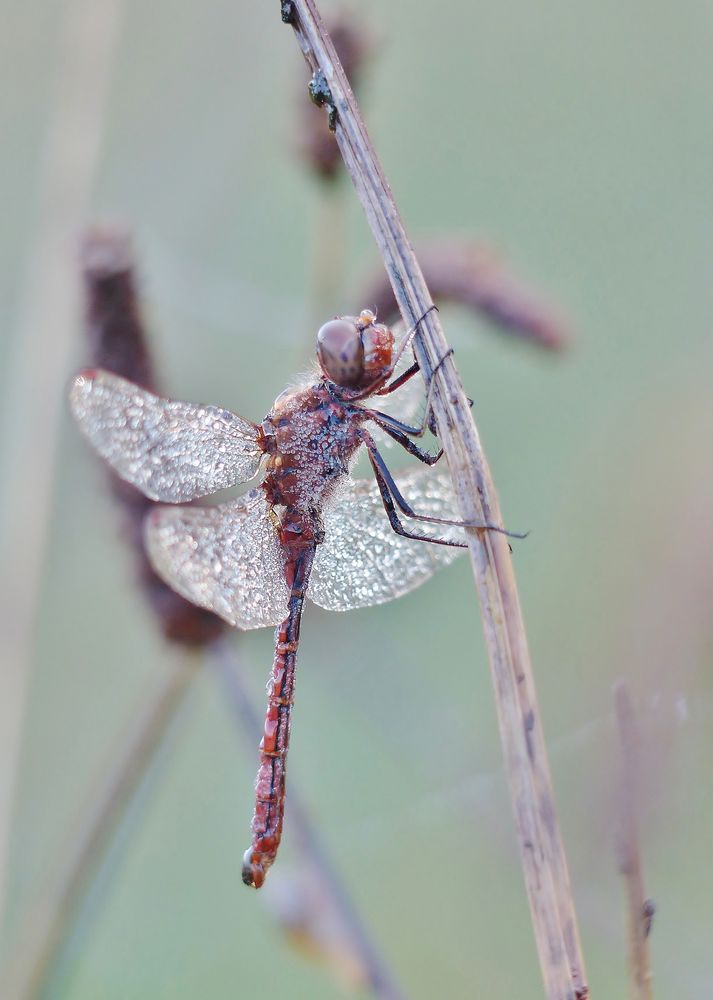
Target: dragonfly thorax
[310, 443]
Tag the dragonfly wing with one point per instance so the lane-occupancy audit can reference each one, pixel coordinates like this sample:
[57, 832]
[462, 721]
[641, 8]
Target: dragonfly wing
[171, 451]
[362, 561]
[226, 558]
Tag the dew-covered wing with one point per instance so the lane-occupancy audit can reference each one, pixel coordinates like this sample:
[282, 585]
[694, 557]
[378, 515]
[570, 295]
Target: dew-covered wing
[226, 558]
[171, 451]
[362, 561]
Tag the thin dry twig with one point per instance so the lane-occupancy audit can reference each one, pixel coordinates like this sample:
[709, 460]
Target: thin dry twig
[640, 908]
[542, 850]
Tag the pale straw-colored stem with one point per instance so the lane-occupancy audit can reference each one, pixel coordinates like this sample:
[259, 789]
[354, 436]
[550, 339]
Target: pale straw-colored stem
[543, 857]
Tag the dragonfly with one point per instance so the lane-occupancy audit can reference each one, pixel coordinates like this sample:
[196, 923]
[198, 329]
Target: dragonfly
[309, 530]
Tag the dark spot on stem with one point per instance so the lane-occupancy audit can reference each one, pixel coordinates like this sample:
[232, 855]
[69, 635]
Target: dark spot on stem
[529, 726]
[321, 95]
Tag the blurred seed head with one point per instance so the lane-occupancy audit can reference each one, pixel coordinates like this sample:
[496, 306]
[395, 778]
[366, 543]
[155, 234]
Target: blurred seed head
[472, 275]
[118, 342]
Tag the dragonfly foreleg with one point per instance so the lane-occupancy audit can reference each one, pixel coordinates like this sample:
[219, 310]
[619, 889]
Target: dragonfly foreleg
[428, 422]
[382, 471]
[401, 380]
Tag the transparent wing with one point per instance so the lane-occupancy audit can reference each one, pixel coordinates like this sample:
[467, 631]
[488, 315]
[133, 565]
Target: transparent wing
[362, 561]
[225, 558]
[171, 451]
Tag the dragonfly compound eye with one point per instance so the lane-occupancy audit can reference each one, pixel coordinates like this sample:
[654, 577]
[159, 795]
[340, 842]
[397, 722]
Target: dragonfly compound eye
[341, 352]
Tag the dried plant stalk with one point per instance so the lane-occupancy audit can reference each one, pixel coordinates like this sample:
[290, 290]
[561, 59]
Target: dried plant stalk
[118, 341]
[543, 857]
[640, 909]
[33, 391]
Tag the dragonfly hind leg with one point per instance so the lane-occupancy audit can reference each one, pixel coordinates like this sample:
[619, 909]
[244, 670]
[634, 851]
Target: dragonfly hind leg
[387, 486]
[395, 521]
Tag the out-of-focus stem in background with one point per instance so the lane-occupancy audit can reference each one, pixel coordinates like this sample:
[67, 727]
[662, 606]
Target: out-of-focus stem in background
[51, 919]
[37, 368]
[119, 342]
[640, 909]
[320, 153]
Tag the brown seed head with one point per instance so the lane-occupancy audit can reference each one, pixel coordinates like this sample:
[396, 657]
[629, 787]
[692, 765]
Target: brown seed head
[118, 342]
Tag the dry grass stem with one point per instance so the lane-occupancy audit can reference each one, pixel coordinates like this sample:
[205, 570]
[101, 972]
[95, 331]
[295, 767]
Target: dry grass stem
[543, 857]
[37, 366]
[51, 919]
[640, 908]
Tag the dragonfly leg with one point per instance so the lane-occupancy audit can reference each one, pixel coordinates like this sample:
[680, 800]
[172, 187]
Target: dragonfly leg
[401, 380]
[388, 502]
[395, 522]
[382, 472]
[427, 422]
[395, 430]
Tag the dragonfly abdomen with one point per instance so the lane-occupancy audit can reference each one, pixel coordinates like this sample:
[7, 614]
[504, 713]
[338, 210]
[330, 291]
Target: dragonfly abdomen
[270, 782]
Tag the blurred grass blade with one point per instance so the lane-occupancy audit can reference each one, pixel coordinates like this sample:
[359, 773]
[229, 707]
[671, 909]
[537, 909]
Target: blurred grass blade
[49, 923]
[37, 368]
[640, 909]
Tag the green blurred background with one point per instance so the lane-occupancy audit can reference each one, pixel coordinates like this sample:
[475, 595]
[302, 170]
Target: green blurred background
[576, 138]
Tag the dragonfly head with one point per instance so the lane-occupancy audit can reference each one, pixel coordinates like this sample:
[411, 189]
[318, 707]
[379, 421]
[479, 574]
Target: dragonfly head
[355, 351]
